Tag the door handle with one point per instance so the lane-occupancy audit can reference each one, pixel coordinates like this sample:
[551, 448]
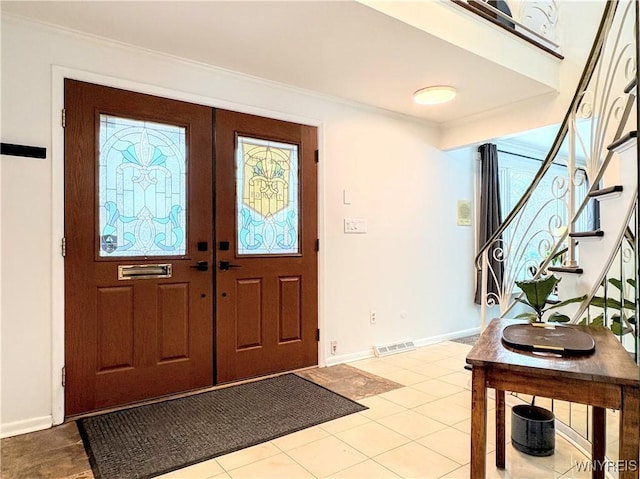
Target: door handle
[225, 265]
[202, 266]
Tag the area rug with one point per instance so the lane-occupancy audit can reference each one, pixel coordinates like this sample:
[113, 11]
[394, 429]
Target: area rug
[350, 382]
[154, 439]
[470, 340]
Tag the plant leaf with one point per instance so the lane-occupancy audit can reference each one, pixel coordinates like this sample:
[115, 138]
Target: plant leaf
[558, 318]
[529, 316]
[612, 303]
[597, 321]
[568, 301]
[618, 328]
[616, 282]
[538, 290]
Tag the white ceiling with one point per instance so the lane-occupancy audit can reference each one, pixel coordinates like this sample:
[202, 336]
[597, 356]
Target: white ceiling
[344, 49]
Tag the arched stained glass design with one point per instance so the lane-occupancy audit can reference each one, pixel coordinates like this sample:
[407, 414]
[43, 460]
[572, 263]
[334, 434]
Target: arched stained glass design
[267, 197]
[142, 188]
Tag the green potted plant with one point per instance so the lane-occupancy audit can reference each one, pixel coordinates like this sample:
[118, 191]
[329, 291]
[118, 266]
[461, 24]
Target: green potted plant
[624, 320]
[537, 294]
[533, 427]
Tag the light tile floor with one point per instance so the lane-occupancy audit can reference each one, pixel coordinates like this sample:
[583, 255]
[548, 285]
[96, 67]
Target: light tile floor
[421, 430]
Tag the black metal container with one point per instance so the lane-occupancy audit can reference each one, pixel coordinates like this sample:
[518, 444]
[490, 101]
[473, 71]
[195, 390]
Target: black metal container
[533, 430]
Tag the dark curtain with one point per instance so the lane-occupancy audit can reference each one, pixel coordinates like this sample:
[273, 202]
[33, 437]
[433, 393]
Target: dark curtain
[490, 216]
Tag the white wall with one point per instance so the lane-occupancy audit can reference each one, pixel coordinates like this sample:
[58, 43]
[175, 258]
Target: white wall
[578, 23]
[415, 263]
[0, 244]
[413, 260]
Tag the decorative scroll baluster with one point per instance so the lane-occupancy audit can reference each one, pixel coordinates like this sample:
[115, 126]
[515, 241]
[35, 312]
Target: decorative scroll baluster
[484, 286]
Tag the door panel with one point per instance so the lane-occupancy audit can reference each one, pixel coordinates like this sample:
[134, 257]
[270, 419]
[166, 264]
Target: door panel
[173, 321]
[266, 230]
[115, 326]
[249, 317]
[138, 218]
[290, 311]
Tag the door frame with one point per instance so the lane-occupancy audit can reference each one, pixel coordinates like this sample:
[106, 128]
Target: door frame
[58, 74]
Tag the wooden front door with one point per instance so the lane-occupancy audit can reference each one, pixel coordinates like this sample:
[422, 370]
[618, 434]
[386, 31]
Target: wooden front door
[138, 228]
[266, 231]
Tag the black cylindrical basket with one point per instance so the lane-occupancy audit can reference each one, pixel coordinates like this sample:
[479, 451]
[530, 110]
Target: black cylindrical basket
[533, 430]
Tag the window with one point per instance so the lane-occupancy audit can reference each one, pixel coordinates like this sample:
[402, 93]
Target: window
[529, 239]
[142, 188]
[267, 203]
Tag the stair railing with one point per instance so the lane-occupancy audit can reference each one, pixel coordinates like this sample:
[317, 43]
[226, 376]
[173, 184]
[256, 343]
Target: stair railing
[620, 241]
[594, 55]
[612, 304]
[523, 19]
[615, 303]
[595, 101]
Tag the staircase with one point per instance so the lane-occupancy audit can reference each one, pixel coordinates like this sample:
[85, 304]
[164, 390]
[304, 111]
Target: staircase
[601, 264]
[597, 249]
[601, 123]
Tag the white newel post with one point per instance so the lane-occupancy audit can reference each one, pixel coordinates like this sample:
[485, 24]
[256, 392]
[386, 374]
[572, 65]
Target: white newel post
[570, 261]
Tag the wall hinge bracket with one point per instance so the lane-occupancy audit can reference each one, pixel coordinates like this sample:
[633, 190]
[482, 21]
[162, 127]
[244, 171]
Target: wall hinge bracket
[64, 117]
[317, 244]
[318, 334]
[63, 246]
[317, 156]
[64, 376]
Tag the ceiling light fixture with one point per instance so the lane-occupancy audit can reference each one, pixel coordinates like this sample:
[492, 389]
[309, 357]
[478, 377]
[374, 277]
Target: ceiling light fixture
[434, 95]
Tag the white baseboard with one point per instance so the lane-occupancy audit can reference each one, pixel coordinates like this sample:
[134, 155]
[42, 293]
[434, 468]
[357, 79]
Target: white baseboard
[347, 358]
[28, 425]
[446, 337]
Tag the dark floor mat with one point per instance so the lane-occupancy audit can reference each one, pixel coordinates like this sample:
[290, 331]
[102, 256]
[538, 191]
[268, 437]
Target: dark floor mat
[149, 440]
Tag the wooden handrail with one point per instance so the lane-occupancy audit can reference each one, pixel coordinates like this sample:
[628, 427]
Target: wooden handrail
[482, 12]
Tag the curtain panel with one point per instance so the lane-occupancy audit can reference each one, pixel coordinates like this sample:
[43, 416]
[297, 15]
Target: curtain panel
[489, 219]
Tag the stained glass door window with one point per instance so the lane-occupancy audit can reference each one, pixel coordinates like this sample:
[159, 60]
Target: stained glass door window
[142, 188]
[266, 197]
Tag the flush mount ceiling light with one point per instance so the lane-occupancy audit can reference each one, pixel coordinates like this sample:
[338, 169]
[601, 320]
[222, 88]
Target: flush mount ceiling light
[434, 95]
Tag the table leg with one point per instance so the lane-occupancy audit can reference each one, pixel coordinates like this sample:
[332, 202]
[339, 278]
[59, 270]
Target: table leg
[478, 422]
[599, 442]
[500, 425]
[629, 464]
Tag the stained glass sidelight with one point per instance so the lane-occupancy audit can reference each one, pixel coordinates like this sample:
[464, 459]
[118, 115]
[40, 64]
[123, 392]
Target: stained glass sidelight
[142, 188]
[267, 197]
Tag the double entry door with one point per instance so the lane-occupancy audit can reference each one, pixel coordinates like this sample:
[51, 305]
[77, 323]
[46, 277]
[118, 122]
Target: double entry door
[190, 239]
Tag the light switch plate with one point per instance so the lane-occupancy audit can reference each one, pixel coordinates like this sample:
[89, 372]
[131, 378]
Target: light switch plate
[355, 225]
[346, 197]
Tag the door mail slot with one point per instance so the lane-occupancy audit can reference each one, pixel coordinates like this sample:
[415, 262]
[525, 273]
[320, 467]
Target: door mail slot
[144, 271]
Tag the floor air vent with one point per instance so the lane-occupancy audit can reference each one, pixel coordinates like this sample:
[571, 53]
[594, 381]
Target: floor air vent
[394, 348]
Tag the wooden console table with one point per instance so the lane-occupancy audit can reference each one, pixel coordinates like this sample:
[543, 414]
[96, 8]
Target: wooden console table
[608, 378]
